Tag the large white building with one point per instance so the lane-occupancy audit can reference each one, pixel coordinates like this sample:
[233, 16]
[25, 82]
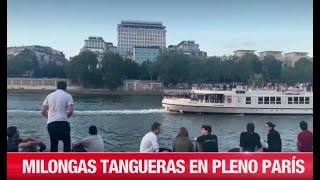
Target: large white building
[291, 58]
[44, 54]
[276, 54]
[97, 45]
[140, 33]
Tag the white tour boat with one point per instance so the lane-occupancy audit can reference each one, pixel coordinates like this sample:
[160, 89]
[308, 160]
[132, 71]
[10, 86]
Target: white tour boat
[240, 101]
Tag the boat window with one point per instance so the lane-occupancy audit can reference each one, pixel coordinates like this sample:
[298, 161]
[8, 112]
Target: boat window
[307, 100]
[266, 100]
[272, 100]
[289, 100]
[248, 100]
[278, 100]
[295, 100]
[240, 92]
[301, 100]
[260, 100]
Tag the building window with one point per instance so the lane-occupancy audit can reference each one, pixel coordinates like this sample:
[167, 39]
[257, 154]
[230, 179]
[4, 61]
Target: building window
[272, 100]
[289, 100]
[307, 100]
[295, 100]
[260, 100]
[278, 100]
[248, 100]
[266, 100]
[301, 100]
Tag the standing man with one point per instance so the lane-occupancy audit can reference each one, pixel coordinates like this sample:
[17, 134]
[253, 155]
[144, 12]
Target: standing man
[149, 142]
[305, 138]
[57, 108]
[208, 142]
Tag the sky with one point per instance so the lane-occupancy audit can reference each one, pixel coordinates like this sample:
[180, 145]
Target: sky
[218, 26]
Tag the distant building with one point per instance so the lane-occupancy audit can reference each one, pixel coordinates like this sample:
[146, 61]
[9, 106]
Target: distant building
[44, 54]
[140, 33]
[240, 53]
[98, 46]
[291, 58]
[188, 48]
[142, 54]
[172, 48]
[276, 54]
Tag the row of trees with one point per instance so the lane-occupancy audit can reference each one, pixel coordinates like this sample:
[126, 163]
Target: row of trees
[170, 68]
[26, 64]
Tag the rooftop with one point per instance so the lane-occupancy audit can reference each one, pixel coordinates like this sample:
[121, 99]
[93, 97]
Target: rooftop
[187, 42]
[296, 53]
[142, 24]
[272, 51]
[245, 50]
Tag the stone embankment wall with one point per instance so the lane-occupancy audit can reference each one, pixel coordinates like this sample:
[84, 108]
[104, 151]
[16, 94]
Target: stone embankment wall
[44, 85]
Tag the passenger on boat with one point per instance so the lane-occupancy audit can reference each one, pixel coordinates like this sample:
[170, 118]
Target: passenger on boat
[207, 142]
[305, 138]
[182, 143]
[274, 139]
[92, 143]
[149, 142]
[250, 141]
[29, 144]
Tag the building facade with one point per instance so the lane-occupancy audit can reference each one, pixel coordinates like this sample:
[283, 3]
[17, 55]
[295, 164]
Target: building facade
[139, 33]
[98, 46]
[142, 54]
[187, 47]
[276, 54]
[240, 53]
[44, 54]
[291, 58]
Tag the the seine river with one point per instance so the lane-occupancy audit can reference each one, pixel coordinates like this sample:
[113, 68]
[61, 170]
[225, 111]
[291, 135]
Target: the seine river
[122, 121]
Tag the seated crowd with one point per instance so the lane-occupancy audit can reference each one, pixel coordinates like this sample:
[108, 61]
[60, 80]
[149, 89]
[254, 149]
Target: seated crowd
[250, 141]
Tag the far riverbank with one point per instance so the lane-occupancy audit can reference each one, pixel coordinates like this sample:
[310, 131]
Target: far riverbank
[88, 91]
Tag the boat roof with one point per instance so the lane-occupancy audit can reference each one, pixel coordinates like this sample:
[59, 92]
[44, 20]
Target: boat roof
[253, 92]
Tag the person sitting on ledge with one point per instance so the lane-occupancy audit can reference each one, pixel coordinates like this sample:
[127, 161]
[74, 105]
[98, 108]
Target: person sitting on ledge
[92, 143]
[14, 142]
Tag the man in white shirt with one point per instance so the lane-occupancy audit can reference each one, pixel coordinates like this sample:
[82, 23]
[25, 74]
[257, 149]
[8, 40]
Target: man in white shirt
[57, 108]
[92, 143]
[149, 142]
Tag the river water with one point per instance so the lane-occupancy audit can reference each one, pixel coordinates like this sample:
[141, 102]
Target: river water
[122, 121]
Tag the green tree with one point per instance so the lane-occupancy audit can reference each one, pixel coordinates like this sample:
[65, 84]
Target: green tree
[304, 70]
[83, 69]
[130, 69]
[25, 64]
[173, 68]
[256, 79]
[271, 68]
[247, 66]
[112, 70]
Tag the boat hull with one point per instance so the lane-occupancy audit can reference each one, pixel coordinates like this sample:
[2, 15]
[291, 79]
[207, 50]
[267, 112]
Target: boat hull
[236, 110]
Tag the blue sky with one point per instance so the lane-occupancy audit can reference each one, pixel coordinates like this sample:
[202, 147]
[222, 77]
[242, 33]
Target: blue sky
[218, 26]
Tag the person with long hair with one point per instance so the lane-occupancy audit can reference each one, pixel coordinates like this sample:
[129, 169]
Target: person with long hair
[274, 139]
[249, 140]
[182, 143]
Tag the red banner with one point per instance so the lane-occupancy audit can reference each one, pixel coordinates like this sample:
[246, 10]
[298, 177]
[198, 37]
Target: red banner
[159, 165]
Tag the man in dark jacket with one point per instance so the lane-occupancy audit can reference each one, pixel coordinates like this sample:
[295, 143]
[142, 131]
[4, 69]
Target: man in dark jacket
[208, 141]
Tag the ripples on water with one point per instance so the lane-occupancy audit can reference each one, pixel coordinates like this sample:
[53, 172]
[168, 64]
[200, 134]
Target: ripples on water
[123, 121]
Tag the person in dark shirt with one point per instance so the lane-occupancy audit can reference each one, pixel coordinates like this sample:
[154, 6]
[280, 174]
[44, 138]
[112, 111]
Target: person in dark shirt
[250, 140]
[14, 142]
[274, 139]
[208, 141]
[305, 138]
